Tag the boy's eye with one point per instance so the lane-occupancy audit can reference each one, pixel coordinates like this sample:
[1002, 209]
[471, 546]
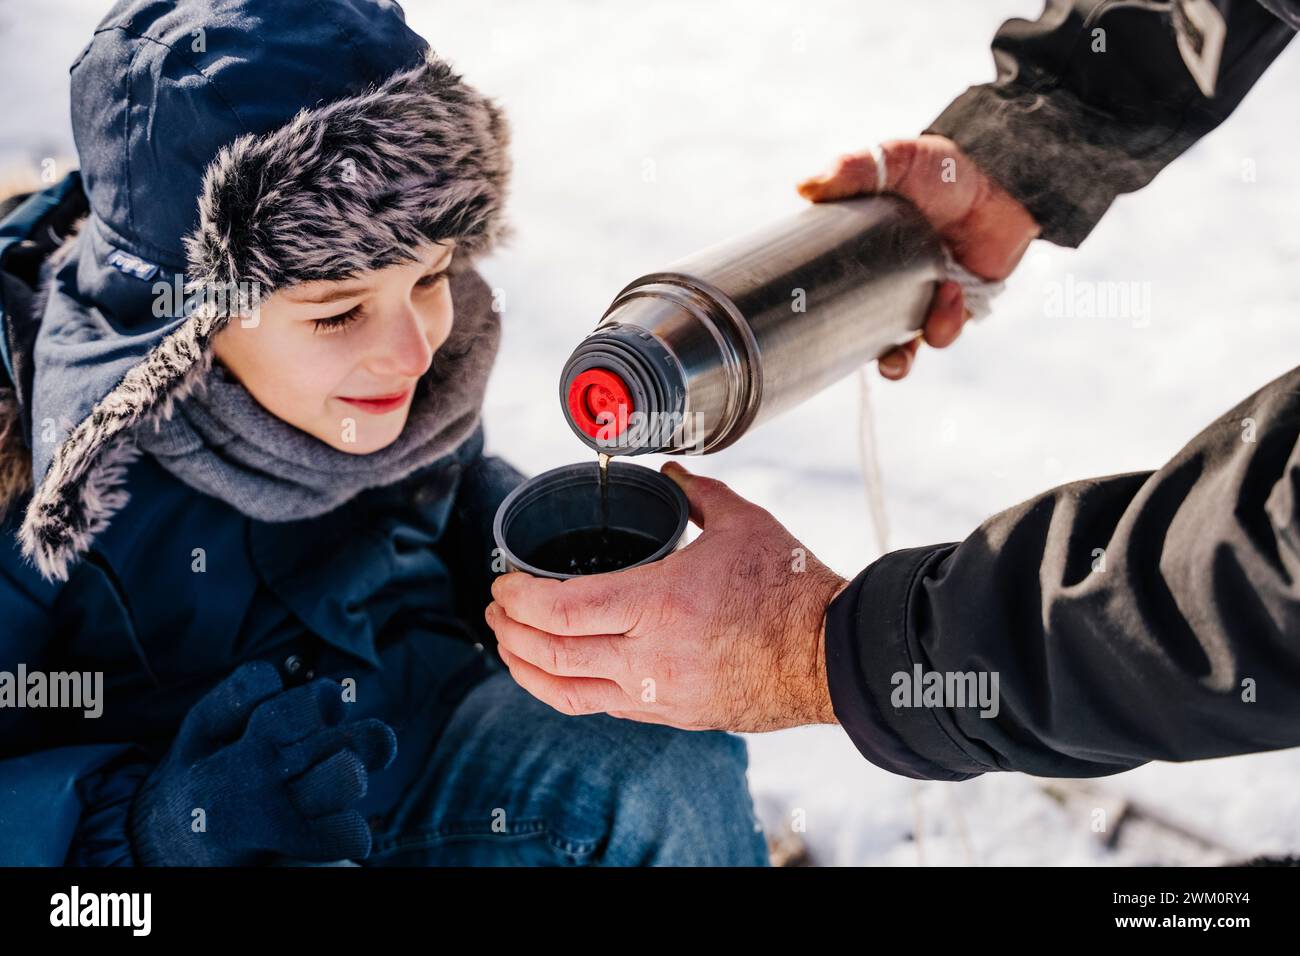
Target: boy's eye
[336, 322]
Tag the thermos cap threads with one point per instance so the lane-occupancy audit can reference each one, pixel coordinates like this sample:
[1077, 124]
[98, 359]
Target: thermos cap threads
[621, 390]
[599, 398]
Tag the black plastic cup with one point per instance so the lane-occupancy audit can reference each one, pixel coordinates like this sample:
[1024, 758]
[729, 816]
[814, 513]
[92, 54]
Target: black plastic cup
[566, 500]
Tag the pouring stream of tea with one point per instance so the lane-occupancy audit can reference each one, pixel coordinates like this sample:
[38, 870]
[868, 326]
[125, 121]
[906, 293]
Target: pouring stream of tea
[602, 461]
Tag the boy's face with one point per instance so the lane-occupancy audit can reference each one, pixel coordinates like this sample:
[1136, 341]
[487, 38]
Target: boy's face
[339, 360]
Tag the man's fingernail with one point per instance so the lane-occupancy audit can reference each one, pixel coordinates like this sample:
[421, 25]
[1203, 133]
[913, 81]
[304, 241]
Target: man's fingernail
[891, 363]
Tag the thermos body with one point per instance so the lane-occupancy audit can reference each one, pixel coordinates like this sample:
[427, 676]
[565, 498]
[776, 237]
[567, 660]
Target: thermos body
[726, 338]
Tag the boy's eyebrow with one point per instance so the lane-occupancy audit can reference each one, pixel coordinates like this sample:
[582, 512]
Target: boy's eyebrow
[333, 295]
[348, 289]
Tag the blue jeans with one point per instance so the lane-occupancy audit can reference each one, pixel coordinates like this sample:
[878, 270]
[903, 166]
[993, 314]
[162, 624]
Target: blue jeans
[513, 782]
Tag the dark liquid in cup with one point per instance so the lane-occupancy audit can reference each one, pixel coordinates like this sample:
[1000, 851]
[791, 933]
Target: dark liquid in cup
[593, 551]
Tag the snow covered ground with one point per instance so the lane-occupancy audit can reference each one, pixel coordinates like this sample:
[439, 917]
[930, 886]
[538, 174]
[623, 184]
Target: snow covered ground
[643, 132]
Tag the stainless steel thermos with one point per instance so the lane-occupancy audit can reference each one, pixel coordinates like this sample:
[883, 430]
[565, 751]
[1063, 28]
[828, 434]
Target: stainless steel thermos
[690, 358]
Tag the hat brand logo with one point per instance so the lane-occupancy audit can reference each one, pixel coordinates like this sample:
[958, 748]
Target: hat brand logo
[133, 266]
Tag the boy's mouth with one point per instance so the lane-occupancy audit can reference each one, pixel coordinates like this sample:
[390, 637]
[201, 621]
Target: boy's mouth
[379, 404]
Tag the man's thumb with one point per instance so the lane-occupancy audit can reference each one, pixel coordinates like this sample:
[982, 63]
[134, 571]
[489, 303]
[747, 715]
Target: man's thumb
[710, 499]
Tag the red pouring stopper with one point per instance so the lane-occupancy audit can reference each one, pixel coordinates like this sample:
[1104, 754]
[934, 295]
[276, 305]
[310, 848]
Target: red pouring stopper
[596, 391]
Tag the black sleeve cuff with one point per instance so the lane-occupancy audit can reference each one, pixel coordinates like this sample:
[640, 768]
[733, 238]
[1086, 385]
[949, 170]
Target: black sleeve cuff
[867, 643]
[1034, 146]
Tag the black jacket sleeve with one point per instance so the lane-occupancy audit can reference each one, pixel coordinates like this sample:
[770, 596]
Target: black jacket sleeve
[1148, 616]
[1076, 117]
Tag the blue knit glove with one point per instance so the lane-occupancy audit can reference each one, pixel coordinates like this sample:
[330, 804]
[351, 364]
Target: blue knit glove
[274, 772]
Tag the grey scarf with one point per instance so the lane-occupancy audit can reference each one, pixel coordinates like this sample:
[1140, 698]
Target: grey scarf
[220, 441]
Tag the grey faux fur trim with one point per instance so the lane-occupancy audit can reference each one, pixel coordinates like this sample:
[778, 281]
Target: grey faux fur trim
[354, 185]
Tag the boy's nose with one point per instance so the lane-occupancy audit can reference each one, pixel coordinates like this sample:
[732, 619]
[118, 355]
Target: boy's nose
[409, 344]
